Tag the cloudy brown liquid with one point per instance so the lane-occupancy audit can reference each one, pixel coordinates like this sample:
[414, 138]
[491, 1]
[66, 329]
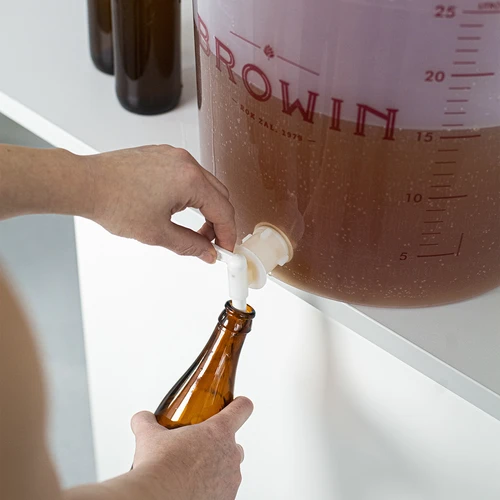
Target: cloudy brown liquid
[410, 222]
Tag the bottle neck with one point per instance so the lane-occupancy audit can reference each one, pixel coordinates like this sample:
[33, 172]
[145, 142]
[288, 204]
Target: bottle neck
[236, 321]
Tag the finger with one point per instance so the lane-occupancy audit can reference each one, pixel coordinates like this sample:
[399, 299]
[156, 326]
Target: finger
[184, 241]
[218, 210]
[143, 422]
[209, 177]
[216, 183]
[207, 230]
[235, 414]
[242, 452]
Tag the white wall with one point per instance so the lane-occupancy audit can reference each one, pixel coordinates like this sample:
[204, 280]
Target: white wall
[335, 416]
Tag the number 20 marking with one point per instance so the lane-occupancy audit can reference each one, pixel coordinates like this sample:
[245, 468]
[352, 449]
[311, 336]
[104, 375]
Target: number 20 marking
[435, 76]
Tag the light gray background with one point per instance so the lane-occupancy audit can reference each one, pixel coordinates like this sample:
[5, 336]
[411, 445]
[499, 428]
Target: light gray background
[39, 254]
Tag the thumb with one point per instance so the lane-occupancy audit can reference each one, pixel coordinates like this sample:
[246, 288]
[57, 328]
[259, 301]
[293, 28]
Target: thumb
[143, 422]
[183, 241]
[235, 414]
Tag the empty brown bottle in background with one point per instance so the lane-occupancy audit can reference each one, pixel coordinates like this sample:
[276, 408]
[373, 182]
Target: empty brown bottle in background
[208, 386]
[100, 33]
[147, 43]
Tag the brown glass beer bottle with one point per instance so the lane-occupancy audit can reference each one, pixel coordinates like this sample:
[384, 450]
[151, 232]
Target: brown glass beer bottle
[146, 35]
[208, 386]
[100, 34]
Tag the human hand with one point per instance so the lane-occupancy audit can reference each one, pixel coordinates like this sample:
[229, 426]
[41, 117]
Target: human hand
[197, 462]
[136, 191]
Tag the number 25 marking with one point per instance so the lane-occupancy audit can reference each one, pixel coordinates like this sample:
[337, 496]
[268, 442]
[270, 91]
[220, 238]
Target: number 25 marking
[445, 11]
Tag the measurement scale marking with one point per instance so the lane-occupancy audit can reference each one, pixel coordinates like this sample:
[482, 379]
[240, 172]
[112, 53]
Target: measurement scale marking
[471, 61]
[460, 244]
[475, 136]
[452, 197]
[471, 75]
[437, 255]
[481, 12]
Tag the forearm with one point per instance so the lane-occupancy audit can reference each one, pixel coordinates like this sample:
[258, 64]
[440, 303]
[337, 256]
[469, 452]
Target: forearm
[40, 181]
[130, 486]
[98, 491]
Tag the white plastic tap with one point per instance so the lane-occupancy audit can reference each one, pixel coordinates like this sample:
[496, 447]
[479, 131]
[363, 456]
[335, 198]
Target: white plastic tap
[265, 249]
[237, 274]
[253, 260]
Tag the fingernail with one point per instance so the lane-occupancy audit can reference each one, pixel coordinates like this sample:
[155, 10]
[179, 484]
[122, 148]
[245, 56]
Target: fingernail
[208, 257]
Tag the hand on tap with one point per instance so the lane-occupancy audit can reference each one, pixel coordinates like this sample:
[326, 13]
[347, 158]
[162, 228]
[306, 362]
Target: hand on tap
[132, 193]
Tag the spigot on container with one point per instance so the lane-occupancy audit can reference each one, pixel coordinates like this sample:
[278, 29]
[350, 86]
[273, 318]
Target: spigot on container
[265, 249]
[253, 260]
[237, 275]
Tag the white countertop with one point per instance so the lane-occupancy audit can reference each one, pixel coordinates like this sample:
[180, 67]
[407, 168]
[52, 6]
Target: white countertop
[49, 86]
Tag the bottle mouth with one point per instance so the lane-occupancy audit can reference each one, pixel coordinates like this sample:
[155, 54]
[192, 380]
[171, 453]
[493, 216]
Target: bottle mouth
[248, 314]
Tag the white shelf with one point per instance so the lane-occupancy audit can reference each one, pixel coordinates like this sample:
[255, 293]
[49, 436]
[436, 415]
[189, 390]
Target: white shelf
[49, 86]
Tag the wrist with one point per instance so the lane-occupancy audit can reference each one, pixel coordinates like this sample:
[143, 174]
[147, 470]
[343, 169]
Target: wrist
[72, 190]
[143, 484]
[100, 183]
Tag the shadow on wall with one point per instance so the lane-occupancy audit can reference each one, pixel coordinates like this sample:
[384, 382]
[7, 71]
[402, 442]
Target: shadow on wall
[39, 254]
[361, 460]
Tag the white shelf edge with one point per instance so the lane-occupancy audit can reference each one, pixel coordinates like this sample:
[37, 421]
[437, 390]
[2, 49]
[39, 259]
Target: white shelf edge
[41, 127]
